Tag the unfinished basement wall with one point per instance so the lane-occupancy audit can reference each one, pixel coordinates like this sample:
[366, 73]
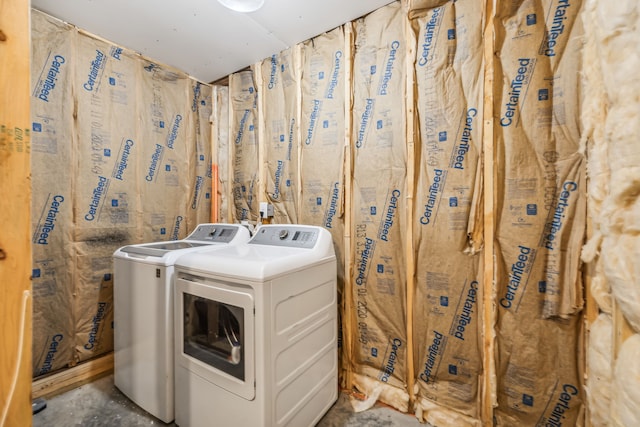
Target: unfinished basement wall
[610, 115]
[121, 155]
[417, 335]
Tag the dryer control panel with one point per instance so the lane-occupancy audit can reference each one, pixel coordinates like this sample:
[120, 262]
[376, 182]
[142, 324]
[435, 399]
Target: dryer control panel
[214, 233]
[294, 236]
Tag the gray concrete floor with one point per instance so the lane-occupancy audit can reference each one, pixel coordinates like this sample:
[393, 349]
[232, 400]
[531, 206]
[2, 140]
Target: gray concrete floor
[100, 403]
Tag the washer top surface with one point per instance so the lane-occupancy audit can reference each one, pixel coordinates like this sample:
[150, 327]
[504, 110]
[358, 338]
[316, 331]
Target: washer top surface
[274, 250]
[166, 253]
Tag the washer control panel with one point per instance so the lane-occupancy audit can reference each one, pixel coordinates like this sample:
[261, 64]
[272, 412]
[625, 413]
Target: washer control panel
[214, 233]
[294, 236]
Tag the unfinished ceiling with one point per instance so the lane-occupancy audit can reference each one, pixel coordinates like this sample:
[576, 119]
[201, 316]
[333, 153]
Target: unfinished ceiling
[202, 37]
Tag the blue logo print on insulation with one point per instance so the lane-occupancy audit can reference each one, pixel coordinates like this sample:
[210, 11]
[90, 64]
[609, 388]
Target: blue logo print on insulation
[431, 31]
[243, 122]
[517, 275]
[156, 157]
[196, 95]
[431, 207]
[123, 162]
[196, 192]
[333, 205]
[176, 228]
[391, 361]
[98, 193]
[563, 405]
[42, 236]
[366, 115]
[333, 83]
[387, 221]
[363, 265]
[435, 350]
[462, 148]
[317, 106]
[277, 179]
[97, 319]
[518, 88]
[274, 70]
[463, 319]
[388, 70]
[53, 349]
[553, 228]
[49, 83]
[555, 29]
[174, 131]
[97, 66]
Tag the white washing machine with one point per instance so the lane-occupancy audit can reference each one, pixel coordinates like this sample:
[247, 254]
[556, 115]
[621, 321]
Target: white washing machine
[143, 314]
[256, 331]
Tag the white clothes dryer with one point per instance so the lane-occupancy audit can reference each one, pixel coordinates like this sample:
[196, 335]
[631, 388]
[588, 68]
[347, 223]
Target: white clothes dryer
[256, 331]
[143, 314]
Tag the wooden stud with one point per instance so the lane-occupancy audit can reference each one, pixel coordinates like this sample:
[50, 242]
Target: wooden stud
[231, 159]
[488, 394]
[215, 179]
[410, 187]
[71, 378]
[263, 168]
[15, 214]
[348, 316]
[297, 58]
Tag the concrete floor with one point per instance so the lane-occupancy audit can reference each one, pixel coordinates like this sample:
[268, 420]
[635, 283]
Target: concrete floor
[100, 403]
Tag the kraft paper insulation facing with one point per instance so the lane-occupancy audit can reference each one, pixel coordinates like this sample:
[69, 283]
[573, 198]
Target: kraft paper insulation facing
[52, 211]
[243, 118]
[279, 99]
[118, 146]
[447, 312]
[541, 199]
[201, 188]
[610, 114]
[379, 186]
[322, 147]
[221, 149]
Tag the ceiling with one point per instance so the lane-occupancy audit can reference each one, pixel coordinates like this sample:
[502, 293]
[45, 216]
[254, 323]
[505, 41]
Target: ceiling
[202, 37]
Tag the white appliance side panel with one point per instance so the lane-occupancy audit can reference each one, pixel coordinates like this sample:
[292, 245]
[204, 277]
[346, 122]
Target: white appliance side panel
[202, 403]
[143, 336]
[307, 397]
[291, 361]
[304, 352]
[299, 296]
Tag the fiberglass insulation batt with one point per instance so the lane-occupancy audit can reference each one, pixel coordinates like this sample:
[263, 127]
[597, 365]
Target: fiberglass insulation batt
[379, 156]
[448, 277]
[121, 152]
[540, 214]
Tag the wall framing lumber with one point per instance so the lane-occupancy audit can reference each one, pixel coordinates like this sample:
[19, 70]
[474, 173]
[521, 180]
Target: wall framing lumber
[15, 211]
[488, 393]
[69, 379]
[411, 131]
[348, 171]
